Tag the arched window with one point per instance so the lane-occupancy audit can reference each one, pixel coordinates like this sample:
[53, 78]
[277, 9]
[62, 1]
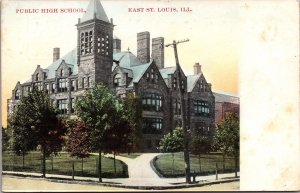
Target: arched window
[61, 72]
[117, 80]
[17, 94]
[37, 77]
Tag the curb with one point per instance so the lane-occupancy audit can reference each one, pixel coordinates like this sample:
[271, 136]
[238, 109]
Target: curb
[112, 184]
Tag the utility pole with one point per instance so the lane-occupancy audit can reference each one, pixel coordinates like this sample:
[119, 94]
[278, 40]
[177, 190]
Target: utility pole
[183, 118]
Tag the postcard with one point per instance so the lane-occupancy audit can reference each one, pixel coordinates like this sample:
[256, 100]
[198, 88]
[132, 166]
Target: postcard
[101, 95]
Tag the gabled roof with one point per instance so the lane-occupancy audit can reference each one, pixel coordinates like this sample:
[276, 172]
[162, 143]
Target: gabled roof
[70, 58]
[191, 81]
[166, 71]
[93, 8]
[138, 72]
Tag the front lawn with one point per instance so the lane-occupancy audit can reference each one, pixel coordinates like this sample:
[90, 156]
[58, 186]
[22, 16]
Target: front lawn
[62, 164]
[163, 164]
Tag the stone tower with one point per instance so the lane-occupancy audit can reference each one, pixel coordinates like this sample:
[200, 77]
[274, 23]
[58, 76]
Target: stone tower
[94, 46]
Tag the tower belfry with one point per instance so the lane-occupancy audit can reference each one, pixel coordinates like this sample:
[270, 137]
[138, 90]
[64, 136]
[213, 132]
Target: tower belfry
[94, 45]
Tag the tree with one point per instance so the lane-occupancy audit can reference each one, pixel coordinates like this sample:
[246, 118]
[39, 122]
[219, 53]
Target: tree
[5, 139]
[35, 122]
[227, 137]
[132, 113]
[96, 108]
[200, 145]
[78, 140]
[172, 142]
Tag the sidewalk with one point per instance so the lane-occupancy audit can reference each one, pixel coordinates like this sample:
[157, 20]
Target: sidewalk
[141, 176]
[135, 183]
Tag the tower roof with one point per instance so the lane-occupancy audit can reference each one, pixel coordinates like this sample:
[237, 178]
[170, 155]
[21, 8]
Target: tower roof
[94, 8]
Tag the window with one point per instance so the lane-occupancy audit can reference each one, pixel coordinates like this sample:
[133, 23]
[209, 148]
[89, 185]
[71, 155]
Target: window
[88, 82]
[86, 43]
[72, 105]
[62, 72]
[17, 94]
[76, 84]
[201, 108]
[45, 75]
[47, 88]
[72, 85]
[70, 71]
[152, 102]
[177, 107]
[38, 85]
[174, 82]
[62, 85]
[152, 125]
[103, 44]
[53, 88]
[82, 83]
[156, 77]
[37, 77]
[117, 80]
[62, 106]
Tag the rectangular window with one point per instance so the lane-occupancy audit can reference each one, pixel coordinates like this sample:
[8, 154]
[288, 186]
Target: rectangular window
[38, 85]
[72, 85]
[62, 105]
[152, 102]
[82, 83]
[72, 105]
[152, 125]
[62, 85]
[201, 108]
[53, 88]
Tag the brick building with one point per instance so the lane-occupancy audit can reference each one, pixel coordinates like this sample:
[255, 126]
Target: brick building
[225, 104]
[98, 58]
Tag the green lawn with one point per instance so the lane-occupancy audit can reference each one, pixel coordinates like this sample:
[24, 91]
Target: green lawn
[62, 164]
[163, 163]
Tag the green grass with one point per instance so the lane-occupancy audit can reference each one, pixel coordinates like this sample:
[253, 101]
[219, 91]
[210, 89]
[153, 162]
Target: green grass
[62, 164]
[163, 164]
[131, 155]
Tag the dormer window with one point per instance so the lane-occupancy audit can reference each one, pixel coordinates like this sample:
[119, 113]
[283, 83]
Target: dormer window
[70, 71]
[17, 94]
[62, 72]
[117, 80]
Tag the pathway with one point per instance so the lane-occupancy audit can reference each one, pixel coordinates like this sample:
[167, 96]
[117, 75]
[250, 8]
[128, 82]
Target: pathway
[139, 167]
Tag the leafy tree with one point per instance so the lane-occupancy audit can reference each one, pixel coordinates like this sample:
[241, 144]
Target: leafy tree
[96, 108]
[200, 145]
[172, 142]
[227, 137]
[132, 113]
[5, 139]
[78, 140]
[35, 123]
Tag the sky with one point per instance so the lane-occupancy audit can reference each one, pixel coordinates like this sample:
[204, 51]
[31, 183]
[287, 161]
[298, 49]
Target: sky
[212, 27]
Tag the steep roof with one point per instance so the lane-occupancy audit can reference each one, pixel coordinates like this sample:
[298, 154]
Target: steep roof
[191, 81]
[138, 72]
[70, 58]
[220, 97]
[93, 8]
[166, 71]
[126, 59]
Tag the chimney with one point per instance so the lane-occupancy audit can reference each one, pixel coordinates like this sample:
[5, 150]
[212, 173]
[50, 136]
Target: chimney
[158, 52]
[116, 44]
[56, 53]
[143, 47]
[197, 69]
